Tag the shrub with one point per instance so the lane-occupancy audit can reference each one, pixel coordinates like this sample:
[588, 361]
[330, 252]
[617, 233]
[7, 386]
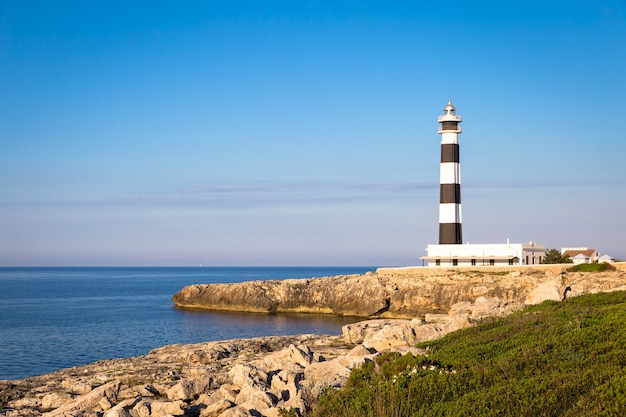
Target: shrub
[592, 267]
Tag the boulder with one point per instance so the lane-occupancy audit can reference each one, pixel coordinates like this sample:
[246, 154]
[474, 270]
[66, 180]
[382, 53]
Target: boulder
[55, 400]
[188, 389]
[76, 387]
[458, 322]
[237, 411]
[216, 408]
[285, 385]
[142, 409]
[121, 409]
[88, 401]
[253, 398]
[357, 332]
[293, 358]
[329, 373]
[548, 290]
[462, 307]
[245, 375]
[427, 332]
[167, 408]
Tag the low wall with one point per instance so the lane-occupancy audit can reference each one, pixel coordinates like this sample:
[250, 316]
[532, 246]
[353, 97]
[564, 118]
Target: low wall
[436, 270]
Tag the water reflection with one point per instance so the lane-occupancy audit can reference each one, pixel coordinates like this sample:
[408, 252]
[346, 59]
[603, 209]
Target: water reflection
[218, 325]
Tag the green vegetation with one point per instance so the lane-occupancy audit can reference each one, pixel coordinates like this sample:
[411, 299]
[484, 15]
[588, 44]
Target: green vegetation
[284, 412]
[592, 267]
[554, 359]
[553, 256]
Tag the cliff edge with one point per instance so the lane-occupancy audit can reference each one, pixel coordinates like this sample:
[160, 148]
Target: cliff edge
[402, 292]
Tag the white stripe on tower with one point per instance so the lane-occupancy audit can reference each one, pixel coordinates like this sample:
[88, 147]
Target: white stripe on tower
[450, 178]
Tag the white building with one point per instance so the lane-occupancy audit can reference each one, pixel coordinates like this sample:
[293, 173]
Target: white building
[582, 255]
[606, 259]
[496, 254]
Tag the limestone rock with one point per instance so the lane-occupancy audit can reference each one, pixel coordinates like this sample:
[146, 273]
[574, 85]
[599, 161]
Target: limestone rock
[76, 387]
[236, 411]
[294, 358]
[55, 400]
[167, 408]
[121, 409]
[32, 402]
[548, 290]
[216, 408]
[400, 293]
[118, 412]
[361, 351]
[358, 332]
[485, 306]
[253, 398]
[244, 376]
[188, 389]
[347, 295]
[427, 332]
[437, 318]
[325, 374]
[89, 400]
[457, 322]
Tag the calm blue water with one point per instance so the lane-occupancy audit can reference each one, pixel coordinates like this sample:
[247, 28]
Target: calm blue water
[53, 318]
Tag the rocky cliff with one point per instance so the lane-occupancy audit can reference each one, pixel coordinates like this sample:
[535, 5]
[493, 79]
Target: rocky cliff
[399, 293]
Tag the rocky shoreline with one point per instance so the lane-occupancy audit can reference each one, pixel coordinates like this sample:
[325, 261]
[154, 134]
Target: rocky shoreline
[396, 292]
[262, 376]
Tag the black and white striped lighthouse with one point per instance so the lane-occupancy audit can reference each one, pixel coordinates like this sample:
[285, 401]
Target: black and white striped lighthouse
[450, 178]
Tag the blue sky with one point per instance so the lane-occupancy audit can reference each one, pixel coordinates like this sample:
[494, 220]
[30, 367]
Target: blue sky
[304, 132]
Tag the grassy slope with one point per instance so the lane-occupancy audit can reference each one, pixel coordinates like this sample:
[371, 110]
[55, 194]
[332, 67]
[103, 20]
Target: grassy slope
[554, 359]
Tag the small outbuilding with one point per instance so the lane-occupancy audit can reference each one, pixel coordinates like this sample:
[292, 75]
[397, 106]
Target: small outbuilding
[581, 255]
[606, 259]
[581, 259]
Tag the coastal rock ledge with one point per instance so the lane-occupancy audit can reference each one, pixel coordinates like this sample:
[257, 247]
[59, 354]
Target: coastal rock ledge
[400, 292]
[264, 376]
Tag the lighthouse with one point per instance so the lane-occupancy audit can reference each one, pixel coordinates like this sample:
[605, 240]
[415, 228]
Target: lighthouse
[450, 252]
[450, 177]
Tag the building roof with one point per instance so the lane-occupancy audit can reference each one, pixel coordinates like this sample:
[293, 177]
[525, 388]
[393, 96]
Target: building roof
[573, 252]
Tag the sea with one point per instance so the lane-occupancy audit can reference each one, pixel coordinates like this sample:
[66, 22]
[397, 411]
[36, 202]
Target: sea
[58, 317]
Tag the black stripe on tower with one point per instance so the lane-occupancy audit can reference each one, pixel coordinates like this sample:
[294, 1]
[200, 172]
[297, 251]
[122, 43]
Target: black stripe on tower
[450, 233]
[450, 193]
[450, 152]
[448, 125]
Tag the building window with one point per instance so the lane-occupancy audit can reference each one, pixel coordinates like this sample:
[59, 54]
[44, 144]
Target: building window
[526, 259]
[492, 261]
[455, 262]
[438, 262]
[473, 261]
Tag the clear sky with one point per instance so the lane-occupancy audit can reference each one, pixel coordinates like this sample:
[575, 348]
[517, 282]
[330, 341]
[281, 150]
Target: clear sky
[305, 132]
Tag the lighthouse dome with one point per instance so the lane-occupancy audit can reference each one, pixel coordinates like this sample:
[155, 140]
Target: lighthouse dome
[449, 109]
